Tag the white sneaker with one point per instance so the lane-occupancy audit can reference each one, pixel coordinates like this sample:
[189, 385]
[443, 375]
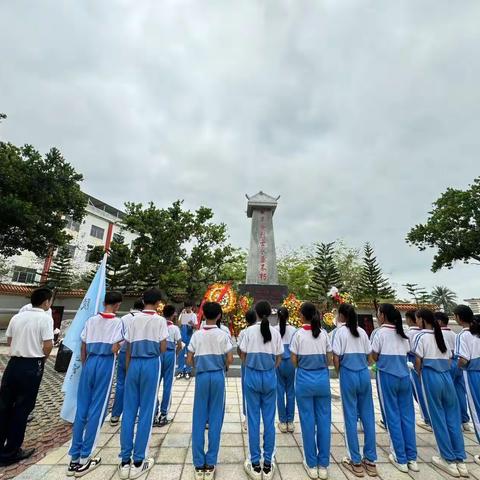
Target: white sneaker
[311, 472]
[283, 427]
[450, 468]
[136, 472]
[424, 425]
[251, 472]
[322, 473]
[290, 427]
[269, 475]
[209, 474]
[403, 467]
[476, 459]
[413, 466]
[462, 469]
[198, 474]
[123, 472]
[244, 426]
[467, 427]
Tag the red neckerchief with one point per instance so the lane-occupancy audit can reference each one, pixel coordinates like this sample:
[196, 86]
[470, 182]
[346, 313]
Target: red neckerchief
[306, 327]
[107, 315]
[149, 312]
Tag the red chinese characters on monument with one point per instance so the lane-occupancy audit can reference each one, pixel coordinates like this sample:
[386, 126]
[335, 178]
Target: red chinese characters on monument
[262, 248]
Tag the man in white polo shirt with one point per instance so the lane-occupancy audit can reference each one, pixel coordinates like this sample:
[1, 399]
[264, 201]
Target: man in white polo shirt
[30, 338]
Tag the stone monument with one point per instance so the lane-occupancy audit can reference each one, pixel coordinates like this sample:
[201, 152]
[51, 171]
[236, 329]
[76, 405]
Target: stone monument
[262, 275]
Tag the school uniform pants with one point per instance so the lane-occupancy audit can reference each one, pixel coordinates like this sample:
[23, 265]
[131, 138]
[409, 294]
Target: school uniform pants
[18, 394]
[141, 389]
[208, 407]
[260, 396]
[186, 332]
[442, 404]
[312, 389]
[286, 391]
[460, 390]
[242, 373]
[92, 401]
[472, 384]
[418, 392]
[117, 408]
[395, 394]
[357, 402]
[166, 376]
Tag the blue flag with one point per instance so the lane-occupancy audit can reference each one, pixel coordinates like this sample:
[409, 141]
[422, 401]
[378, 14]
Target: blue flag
[89, 307]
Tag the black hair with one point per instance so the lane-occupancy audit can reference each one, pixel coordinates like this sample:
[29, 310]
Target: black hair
[310, 313]
[282, 319]
[188, 304]
[350, 314]
[111, 298]
[475, 326]
[168, 311]
[464, 313]
[428, 318]
[411, 315]
[212, 310]
[39, 295]
[152, 296]
[393, 316]
[441, 317]
[138, 304]
[251, 317]
[263, 310]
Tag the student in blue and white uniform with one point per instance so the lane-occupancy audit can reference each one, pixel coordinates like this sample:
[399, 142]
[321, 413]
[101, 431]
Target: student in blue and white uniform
[390, 347]
[117, 408]
[250, 319]
[285, 376]
[261, 351]
[101, 339]
[351, 351]
[210, 349]
[174, 346]
[433, 363]
[412, 332]
[147, 340]
[467, 351]
[188, 321]
[310, 351]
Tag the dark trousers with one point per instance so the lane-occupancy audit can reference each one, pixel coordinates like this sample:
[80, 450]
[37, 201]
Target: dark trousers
[18, 394]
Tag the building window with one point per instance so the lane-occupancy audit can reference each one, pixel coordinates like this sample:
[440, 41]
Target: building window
[72, 224]
[89, 251]
[71, 250]
[97, 232]
[117, 237]
[24, 275]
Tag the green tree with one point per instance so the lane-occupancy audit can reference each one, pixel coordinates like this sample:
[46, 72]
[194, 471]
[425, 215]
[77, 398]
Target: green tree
[36, 195]
[453, 227]
[176, 248]
[419, 294]
[4, 268]
[325, 272]
[444, 298]
[295, 268]
[234, 271]
[60, 275]
[3, 116]
[349, 264]
[373, 285]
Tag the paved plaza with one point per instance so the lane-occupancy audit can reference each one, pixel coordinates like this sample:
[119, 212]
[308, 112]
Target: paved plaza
[171, 445]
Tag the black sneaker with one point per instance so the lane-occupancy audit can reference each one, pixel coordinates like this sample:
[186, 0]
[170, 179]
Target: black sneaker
[92, 464]
[162, 421]
[72, 468]
[179, 375]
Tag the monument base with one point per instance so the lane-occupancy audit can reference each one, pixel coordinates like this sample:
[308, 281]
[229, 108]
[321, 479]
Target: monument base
[275, 294]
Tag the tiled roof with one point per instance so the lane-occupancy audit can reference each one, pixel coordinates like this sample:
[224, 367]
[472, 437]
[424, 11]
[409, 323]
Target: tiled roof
[26, 290]
[403, 307]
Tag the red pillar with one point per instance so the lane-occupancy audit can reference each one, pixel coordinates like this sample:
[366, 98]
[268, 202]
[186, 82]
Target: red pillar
[108, 240]
[46, 266]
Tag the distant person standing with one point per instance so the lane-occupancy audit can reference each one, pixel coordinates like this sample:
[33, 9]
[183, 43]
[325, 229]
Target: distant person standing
[30, 338]
[187, 321]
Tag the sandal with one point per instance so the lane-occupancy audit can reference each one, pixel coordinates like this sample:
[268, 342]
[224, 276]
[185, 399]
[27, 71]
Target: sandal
[370, 468]
[355, 468]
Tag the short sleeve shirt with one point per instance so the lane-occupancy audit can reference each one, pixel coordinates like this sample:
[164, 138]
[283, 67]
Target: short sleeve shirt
[210, 345]
[101, 332]
[426, 348]
[174, 336]
[352, 351]
[392, 350]
[310, 351]
[145, 334]
[468, 347]
[286, 339]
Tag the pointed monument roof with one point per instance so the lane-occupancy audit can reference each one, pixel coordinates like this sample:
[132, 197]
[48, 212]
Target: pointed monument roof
[261, 201]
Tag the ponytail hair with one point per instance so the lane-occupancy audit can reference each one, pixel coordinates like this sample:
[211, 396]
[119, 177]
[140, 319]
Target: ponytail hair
[429, 319]
[350, 315]
[475, 326]
[282, 319]
[263, 311]
[310, 313]
[393, 316]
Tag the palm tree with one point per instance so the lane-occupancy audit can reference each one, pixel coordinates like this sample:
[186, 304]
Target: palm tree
[444, 298]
